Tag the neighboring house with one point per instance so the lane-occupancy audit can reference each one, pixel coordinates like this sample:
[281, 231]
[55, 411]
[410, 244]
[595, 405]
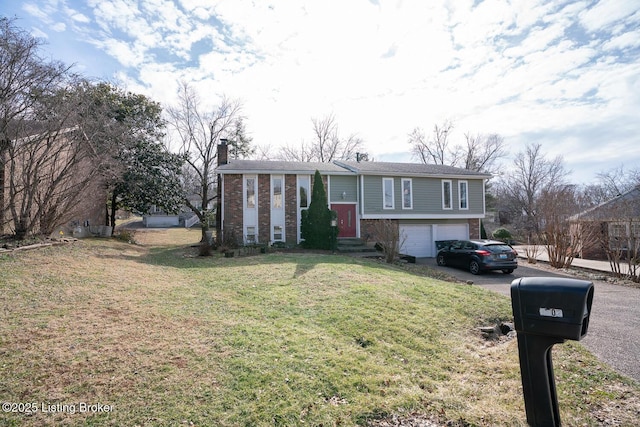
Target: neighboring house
[612, 225]
[47, 180]
[262, 201]
[157, 218]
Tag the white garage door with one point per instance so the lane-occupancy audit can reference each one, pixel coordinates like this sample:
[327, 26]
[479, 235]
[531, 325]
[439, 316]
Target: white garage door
[416, 240]
[451, 232]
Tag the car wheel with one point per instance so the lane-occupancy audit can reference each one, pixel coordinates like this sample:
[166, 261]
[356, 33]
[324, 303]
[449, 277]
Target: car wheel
[508, 271]
[474, 267]
[441, 260]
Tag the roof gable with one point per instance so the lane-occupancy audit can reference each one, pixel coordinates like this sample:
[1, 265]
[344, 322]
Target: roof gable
[626, 205]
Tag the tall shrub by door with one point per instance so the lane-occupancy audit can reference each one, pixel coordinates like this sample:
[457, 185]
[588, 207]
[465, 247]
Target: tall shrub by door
[316, 221]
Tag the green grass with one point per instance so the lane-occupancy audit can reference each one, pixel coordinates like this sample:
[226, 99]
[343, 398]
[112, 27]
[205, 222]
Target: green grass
[169, 338]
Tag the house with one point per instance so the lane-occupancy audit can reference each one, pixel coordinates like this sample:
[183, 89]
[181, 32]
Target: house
[611, 226]
[157, 218]
[48, 182]
[262, 201]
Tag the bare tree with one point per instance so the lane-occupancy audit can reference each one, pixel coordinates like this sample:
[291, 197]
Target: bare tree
[387, 233]
[592, 195]
[304, 152]
[557, 205]
[326, 134]
[326, 146]
[618, 181]
[49, 160]
[24, 79]
[435, 150]
[199, 133]
[480, 152]
[522, 187]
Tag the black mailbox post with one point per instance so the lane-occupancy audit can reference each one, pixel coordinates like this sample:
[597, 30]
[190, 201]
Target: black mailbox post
[546, 311]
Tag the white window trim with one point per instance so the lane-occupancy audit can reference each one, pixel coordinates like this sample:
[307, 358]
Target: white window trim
[273, 233]
[246, 234]
[460, 199]
[273, 194]
[450, 195]
[299, 209]
[245, 187]
[410, 181]
[393, 198]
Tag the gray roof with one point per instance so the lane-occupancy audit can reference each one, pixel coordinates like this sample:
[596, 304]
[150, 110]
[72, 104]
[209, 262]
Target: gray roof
[269, 166]
[624, 206]
[409, 169]
[347, 168]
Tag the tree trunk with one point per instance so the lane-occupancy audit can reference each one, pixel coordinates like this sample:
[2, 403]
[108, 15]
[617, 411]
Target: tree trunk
[2, 165]
[114, 208]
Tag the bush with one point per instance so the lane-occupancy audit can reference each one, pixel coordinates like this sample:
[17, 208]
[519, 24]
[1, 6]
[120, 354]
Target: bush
[126, 235]
[387, 235]
[315, 227]
[502, 234]
[205, 249]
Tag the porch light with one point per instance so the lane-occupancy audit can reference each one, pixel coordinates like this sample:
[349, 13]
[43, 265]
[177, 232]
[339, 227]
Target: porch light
[344, 195]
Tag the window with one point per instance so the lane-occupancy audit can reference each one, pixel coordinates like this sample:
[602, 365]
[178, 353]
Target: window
[446, 194]
[463, 194]
[251, 235]
[277, 233]
[617, 236]
[303, 186]
[276, 191]
[407, 194]
[387, 193]
[251, 192]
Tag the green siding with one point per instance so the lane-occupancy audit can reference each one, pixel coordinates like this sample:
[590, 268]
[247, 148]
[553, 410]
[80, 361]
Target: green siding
[343, 184]
[427, 197]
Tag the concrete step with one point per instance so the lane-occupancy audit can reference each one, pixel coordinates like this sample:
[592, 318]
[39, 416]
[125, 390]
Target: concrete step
[350, 245]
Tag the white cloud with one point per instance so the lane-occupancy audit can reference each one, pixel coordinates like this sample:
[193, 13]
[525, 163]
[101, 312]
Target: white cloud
[607, 12]
[519, 68]
[36, 10]
[629, 40]
[59, 27]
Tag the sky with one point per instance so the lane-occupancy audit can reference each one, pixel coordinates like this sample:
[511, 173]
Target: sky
[565, 74]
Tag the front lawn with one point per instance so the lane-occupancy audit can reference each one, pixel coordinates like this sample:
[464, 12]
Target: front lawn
[159, 336]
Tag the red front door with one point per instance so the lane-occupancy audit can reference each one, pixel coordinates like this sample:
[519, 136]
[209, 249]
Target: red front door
[346, 219]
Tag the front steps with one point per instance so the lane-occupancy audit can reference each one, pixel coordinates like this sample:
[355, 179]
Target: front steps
[354, 245]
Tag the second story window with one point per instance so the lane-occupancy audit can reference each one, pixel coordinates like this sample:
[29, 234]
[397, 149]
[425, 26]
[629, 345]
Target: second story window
[463, 187]
[407, 194]
[303, 191]
[276, 191]
[446, 194]
[387, 193]
[251, 192]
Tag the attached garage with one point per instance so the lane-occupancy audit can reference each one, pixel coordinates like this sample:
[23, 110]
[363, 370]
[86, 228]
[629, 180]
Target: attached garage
[419, 239]
[416, 240]
[451, 232]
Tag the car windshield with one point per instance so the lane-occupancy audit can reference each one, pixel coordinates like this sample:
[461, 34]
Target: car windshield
[498, 248]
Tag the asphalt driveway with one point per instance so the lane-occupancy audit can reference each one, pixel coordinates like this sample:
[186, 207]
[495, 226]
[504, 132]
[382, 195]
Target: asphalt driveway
[614, 326]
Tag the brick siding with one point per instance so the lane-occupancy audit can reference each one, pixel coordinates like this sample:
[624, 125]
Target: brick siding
[474, 228]
[291, 209]
[264, 208]
[232, 227]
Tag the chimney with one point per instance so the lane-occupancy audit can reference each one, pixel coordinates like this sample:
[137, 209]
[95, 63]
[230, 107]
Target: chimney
[223, 152]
